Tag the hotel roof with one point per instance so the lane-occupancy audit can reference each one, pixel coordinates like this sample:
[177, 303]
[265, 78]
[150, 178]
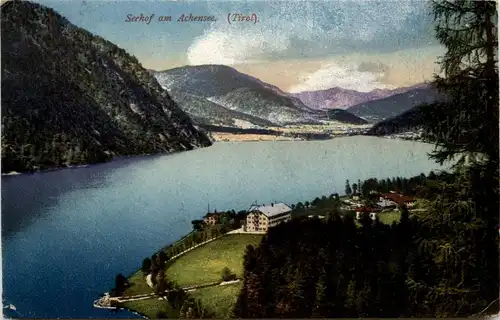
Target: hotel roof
[271, 210]
[397, 197]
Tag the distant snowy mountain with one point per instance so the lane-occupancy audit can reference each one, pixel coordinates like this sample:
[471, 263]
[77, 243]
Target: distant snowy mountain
[218, 87]
[339, 98]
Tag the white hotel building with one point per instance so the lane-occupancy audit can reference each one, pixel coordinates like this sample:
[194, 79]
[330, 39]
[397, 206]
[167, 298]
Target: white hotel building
[261, 218]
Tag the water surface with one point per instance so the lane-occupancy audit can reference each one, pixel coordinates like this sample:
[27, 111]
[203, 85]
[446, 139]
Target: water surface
[67, 233]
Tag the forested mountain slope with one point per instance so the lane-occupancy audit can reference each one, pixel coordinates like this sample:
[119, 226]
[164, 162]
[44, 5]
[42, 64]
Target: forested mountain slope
[394, 105]
[344, 116]
[225, 87]
[70, 97]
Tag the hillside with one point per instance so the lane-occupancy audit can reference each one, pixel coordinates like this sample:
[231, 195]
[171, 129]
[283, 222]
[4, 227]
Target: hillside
[226, 87]
[205, 112]
[340, 98]
[394, 105]
[70, 97]
[209, 80]
[407, 121]
[344, 116]
[410, 121]
[264, 103]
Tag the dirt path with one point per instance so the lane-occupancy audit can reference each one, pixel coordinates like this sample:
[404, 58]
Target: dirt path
[106, 301]
[148, 280]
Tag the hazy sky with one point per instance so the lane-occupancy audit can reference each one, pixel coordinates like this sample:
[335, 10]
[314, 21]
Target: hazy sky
[296, 45]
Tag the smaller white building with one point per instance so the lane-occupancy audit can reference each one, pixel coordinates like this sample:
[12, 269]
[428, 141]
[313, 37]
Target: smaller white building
[385, 203]
[373, 215]
[318, 216]
[372, 212]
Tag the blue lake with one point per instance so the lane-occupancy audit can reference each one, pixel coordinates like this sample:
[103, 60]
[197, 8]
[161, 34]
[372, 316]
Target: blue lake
[67, 233]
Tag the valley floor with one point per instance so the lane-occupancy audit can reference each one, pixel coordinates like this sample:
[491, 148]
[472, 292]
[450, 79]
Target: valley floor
[300, 132]
[325, 130]
[224, 136]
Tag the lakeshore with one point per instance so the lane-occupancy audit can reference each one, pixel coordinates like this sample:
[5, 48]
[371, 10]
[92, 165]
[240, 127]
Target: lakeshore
[79, 90]
[132, 206]
[276, 134]
[292, 132]
[197, 268]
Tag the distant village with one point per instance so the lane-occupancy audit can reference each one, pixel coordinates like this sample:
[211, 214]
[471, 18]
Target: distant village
[415, 135]
[386, 202]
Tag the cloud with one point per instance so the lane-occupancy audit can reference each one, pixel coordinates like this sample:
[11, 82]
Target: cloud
[299, 29]
[231, 47]
[373, 67]
[363, 77]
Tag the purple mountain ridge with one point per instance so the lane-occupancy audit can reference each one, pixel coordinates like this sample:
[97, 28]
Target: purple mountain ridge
[340, 98]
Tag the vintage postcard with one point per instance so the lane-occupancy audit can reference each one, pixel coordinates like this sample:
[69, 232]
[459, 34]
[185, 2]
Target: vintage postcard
[249, 159]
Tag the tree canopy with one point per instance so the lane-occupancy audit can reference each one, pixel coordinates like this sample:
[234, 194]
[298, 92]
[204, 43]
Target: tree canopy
[438, 262]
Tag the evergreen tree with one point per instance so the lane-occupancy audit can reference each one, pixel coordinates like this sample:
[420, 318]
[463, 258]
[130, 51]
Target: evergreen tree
[351, 299]
[146, 265]
[316, 201]
[320, 298]
[466, 125]
[348, 189]
[162, 258]
[226, 274]
[460, 224]
[154, 264]
[399, 184]
[121, 284]
[161, 281]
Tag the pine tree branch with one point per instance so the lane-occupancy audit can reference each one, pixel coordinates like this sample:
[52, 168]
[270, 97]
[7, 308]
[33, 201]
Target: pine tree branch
[484, 310]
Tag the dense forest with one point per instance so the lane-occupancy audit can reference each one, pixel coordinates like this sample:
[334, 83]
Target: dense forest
[302, 135]
[410, 120]
[391, 106]
[309, 268]
[312, 268]
[439, 262]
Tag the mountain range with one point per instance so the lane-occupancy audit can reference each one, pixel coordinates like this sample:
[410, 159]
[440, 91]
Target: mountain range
[380, 109]
[340, 98]
[70, 97]
[220, 95]
[233, 94]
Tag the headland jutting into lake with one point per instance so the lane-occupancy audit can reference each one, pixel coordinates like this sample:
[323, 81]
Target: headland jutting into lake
[182, 279]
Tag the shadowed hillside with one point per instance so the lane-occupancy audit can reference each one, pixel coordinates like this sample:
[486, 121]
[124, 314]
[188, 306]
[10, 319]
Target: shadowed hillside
[70, 97]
